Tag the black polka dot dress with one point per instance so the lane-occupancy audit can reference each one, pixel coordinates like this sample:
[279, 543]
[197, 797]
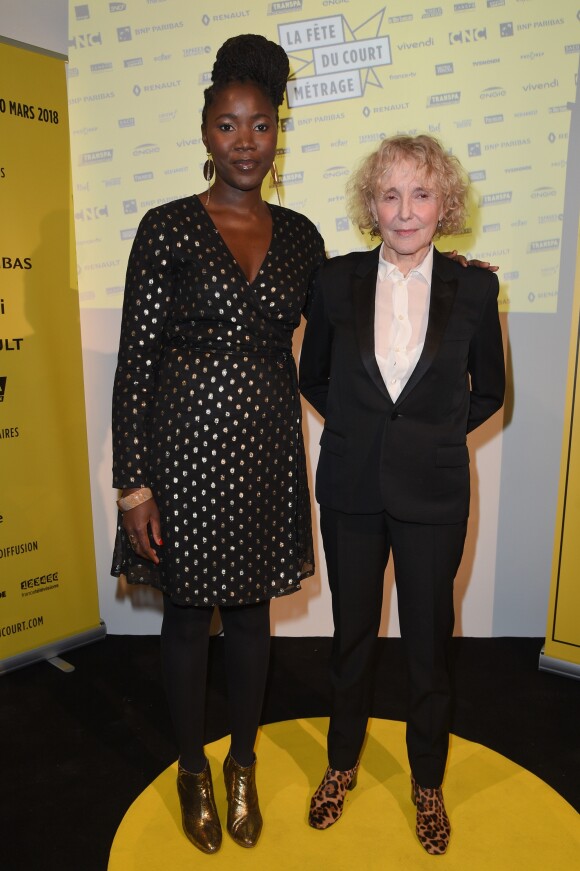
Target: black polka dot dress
[206, 409]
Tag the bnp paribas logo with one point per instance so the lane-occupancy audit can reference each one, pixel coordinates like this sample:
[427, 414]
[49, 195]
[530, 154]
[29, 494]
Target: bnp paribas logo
[332, 60]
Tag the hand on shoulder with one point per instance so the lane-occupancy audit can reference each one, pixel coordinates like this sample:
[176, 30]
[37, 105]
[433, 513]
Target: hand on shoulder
[463, 261]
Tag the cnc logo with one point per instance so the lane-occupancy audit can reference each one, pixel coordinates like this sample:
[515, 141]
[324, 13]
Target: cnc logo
[343, 65]
[92, 213]
[470, 34]
[85, 40]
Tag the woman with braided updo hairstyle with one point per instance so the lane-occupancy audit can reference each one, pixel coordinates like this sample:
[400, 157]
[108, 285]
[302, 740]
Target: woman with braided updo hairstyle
[208, 449]
[249, 58]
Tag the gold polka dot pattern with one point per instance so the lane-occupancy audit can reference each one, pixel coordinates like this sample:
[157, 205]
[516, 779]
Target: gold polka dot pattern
[206, 409]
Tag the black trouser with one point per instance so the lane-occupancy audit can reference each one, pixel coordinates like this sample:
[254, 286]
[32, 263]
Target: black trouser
[184, 654]
[426, 559]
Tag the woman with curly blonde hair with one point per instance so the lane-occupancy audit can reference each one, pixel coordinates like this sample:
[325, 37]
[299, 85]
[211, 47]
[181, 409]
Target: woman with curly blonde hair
[438, 168]
[402, 356]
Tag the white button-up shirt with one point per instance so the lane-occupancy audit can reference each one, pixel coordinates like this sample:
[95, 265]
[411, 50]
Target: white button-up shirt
[401, 315]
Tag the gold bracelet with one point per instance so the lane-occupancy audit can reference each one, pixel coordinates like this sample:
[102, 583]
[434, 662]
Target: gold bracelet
[125, 503]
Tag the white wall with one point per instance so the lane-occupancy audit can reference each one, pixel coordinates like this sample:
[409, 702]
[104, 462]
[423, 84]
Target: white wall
[42, 23]
[504, 581]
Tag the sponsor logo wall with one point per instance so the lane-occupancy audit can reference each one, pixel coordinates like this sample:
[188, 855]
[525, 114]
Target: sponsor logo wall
[48, 594]
[495, 80]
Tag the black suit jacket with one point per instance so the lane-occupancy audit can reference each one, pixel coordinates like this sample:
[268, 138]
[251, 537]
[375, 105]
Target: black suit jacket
[407, 457]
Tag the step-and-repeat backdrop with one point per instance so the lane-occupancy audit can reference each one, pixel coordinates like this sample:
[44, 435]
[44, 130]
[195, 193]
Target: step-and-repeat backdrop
[48, 591]
[493, 80]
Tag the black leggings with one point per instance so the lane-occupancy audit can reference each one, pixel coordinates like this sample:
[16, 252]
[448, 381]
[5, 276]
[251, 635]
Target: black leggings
[184, 653]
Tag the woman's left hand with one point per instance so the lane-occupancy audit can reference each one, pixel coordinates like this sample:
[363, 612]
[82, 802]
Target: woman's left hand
[463, 261]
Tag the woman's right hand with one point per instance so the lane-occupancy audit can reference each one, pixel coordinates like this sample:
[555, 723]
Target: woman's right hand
[137, 522]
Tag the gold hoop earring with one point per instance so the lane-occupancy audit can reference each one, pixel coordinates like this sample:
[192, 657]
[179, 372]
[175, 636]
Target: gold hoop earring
[276, 181]
[208, 171]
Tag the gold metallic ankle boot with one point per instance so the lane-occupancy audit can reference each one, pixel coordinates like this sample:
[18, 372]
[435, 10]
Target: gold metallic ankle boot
[199, 815]
[244, 817]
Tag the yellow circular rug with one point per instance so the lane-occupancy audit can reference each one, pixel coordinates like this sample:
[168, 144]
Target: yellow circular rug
[502, 817]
